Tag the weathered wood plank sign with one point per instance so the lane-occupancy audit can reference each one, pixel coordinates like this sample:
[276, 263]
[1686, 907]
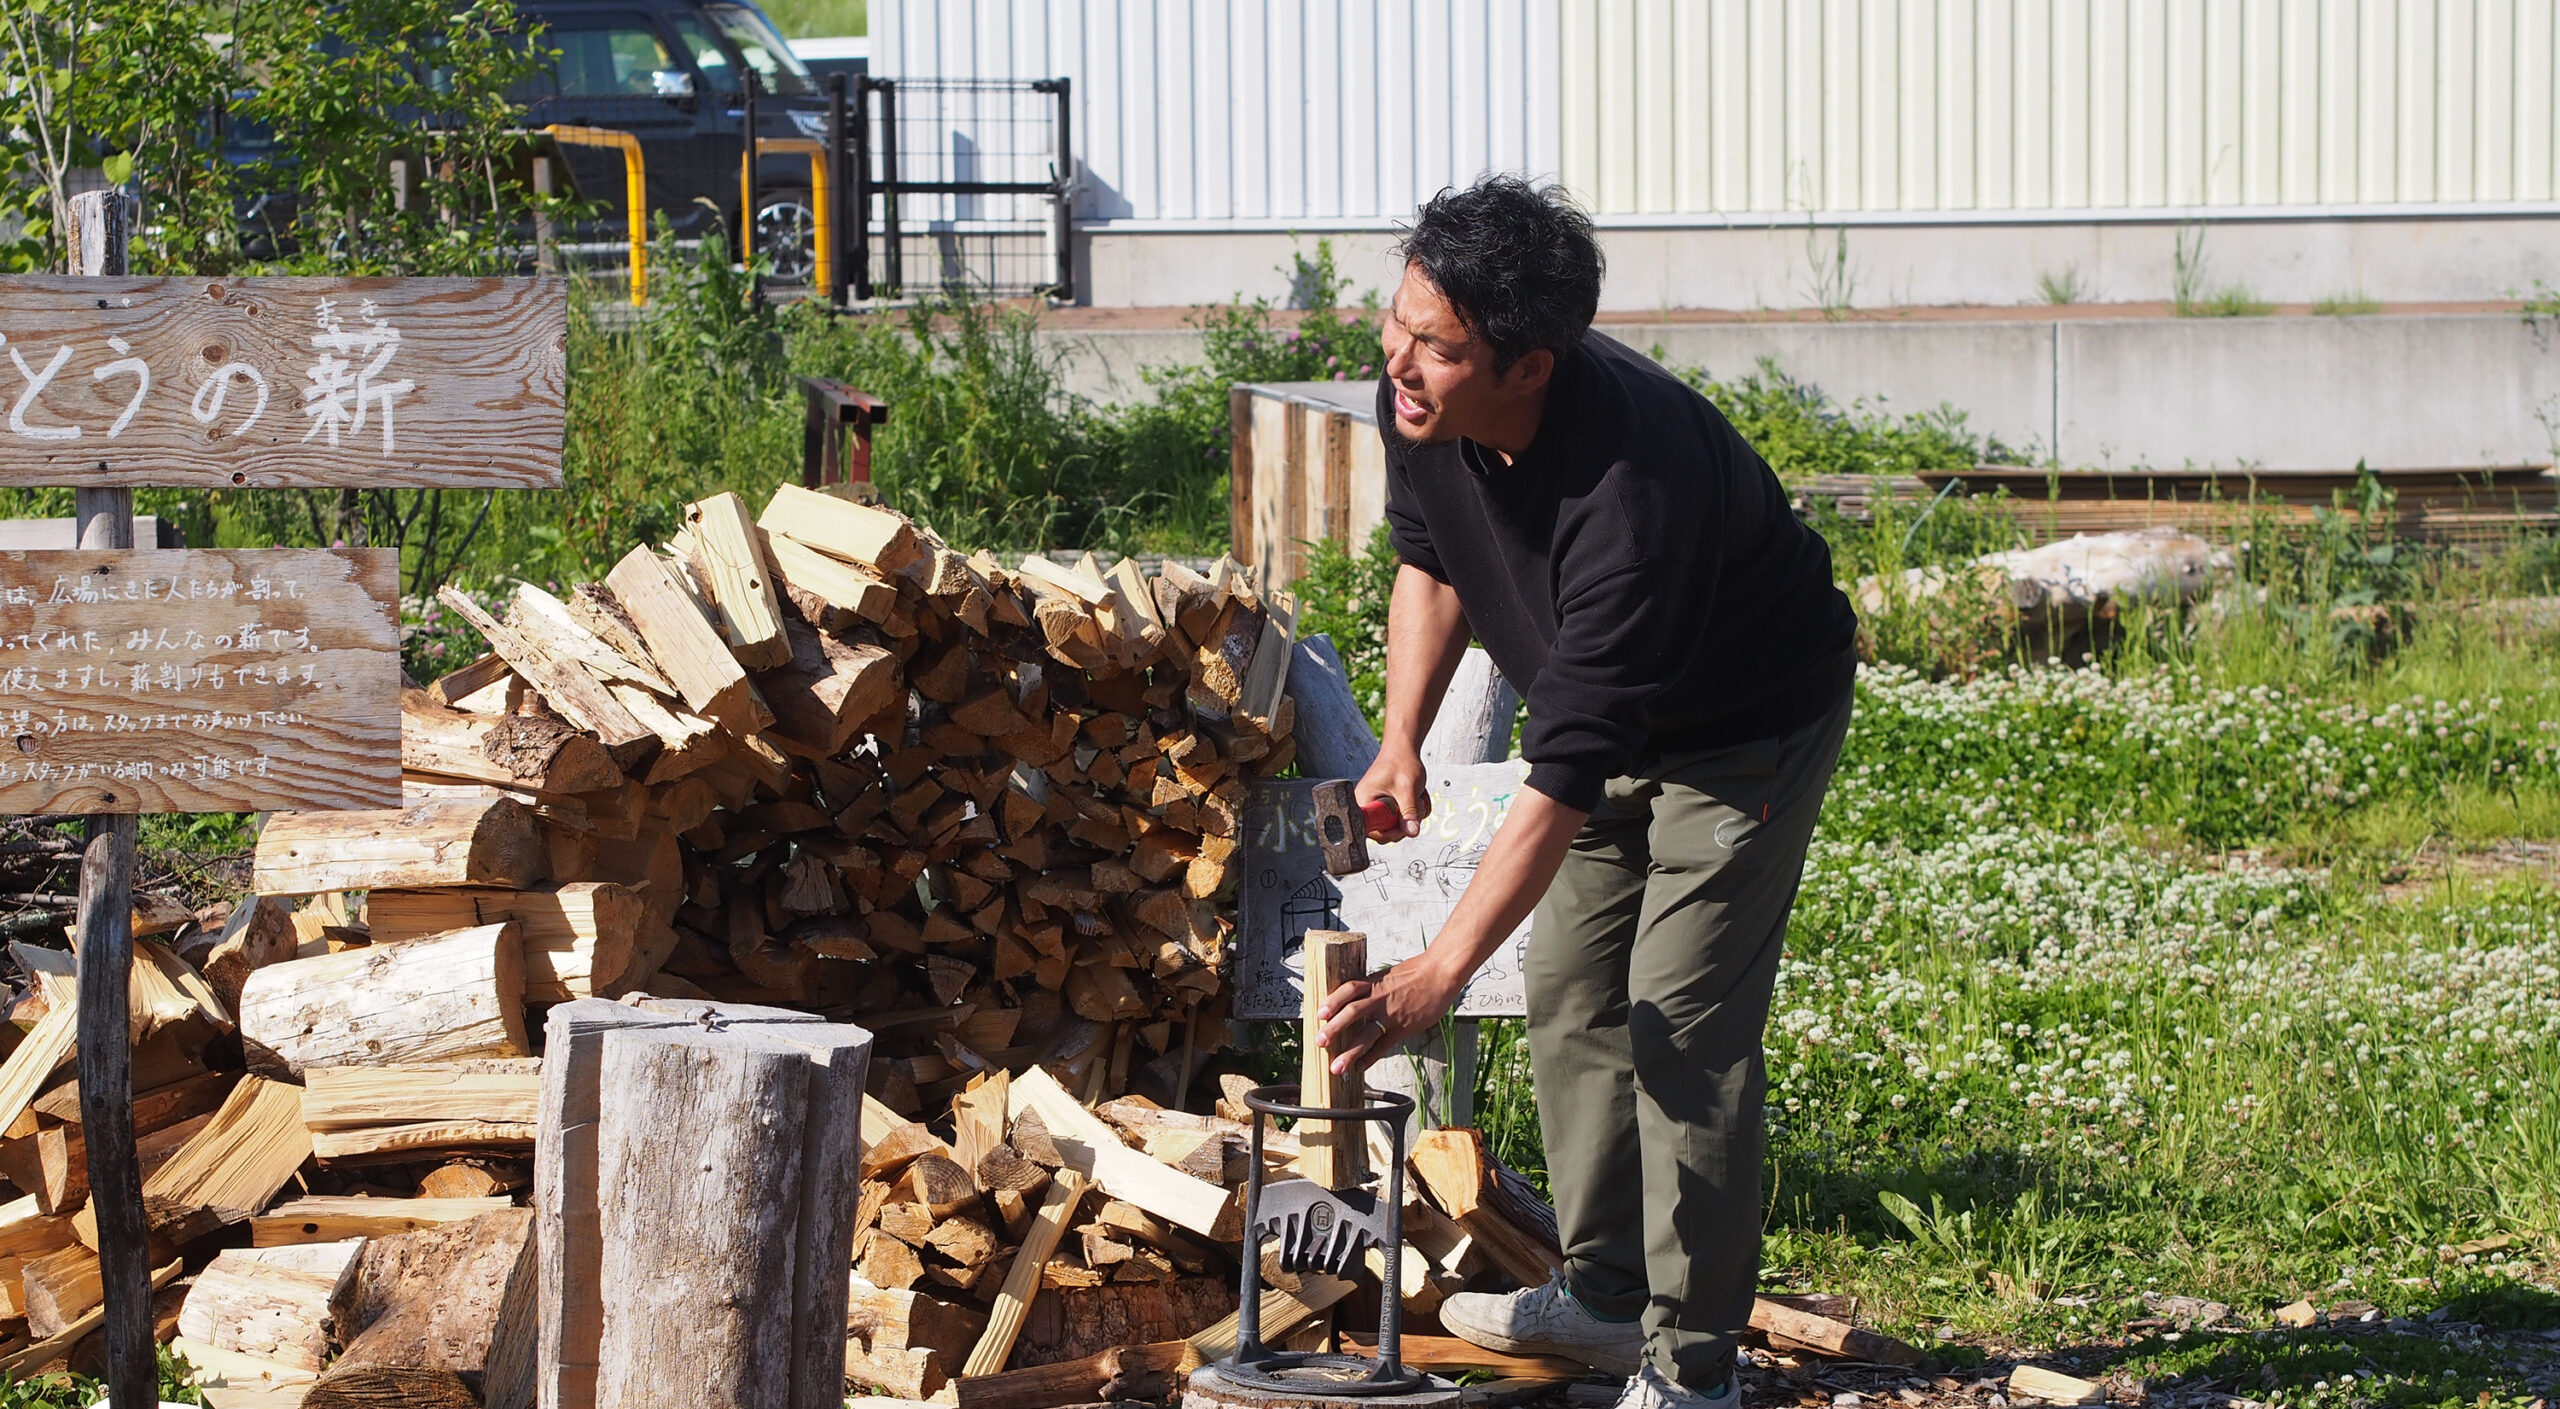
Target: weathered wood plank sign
[199, 680]
[1400, 902]
[260, 382]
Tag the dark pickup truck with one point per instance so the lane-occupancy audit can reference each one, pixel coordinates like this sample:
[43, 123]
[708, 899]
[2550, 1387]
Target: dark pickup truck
[671, 73]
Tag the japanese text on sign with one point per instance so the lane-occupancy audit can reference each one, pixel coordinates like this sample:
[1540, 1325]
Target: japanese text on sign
[178, 681]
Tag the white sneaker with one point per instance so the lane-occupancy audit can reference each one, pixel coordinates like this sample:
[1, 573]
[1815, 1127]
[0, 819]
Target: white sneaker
[1545, 1320]
[1649, 1390]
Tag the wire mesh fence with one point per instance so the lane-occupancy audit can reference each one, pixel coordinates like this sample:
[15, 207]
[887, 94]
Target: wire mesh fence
[880, 189]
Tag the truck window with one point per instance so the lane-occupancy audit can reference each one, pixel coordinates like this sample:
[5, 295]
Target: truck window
[718, 73]
[777, 68]
[617, 61]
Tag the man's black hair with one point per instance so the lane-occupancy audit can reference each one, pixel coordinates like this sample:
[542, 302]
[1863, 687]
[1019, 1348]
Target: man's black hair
[1518, 262]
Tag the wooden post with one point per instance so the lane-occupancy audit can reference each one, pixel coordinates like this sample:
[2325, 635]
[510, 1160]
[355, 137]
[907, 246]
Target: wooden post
[546, 240]
[1332, 1153]
[105, 931]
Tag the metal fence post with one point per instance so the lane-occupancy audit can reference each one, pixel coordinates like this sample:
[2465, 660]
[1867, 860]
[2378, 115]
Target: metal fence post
[859, 184]
[835, 186]
[747, 184]
[889, 233]
[1065, 200]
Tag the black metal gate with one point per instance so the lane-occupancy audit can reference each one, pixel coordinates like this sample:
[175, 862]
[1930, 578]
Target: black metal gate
[956, 186]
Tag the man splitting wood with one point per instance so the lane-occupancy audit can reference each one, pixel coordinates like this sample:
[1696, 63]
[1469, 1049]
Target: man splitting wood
[1634, 568]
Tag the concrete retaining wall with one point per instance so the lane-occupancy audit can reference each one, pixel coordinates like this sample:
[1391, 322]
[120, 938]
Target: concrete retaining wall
[2398, 391]
[1874, 262]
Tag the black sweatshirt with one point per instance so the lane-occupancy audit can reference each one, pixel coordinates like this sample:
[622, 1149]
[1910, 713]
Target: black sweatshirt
[1637, 573]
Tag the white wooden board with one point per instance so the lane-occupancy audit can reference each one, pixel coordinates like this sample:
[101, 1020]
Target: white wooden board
[1400, 902]
[256, 382]
[199, 680]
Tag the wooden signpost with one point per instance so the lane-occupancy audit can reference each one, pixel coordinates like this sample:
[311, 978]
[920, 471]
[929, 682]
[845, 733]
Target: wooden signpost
[204, 681]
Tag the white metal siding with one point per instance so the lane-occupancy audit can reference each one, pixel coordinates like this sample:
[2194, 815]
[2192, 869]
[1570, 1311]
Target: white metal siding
[1707, 107]
[1284, 114]
[1261, 112]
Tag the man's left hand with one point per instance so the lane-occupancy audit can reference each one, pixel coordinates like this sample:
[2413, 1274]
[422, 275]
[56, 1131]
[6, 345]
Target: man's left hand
[1366, 1019]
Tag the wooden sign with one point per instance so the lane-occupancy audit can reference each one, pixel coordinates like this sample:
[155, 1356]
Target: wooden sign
[1400, 902]
[199, 680]
[372, 383]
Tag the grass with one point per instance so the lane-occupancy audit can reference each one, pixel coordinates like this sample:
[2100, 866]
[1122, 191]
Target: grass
[2349, 305]
[2063, 286]
[814, 19]
[2191, 295]
[2095, 989]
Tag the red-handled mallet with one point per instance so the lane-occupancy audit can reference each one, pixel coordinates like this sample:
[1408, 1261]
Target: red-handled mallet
[1385, 822]
[1345, 825]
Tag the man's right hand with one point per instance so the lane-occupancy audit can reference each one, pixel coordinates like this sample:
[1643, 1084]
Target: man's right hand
[1398, 775]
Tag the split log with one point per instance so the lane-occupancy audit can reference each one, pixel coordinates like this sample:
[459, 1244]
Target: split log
[682, 644]
[330, 1220]
[458, 994]
[578, 938]
[1825, 1335]
[908, 1341]
[1130, 1372]
[417, 1140]
[729, 559]
[1515, 1228]
[1086, 1144]
[823, 688]
[533, 753]
[841, 593]
[259, 933]
[228, 1169]
[445, 1317]
[34, 1059]
[491, 1089]
[1022, 1280]
[58, 1288]
[278, 1304]
[558, 674]
[50, 1166]
[487, 843]
[1333, 1153]
[1282, 1312]
[840, 528]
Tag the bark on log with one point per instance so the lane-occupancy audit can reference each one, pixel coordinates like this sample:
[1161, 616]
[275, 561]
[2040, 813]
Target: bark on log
[453, 995]
[1475, 718]
[443, 1315]
[1334, 738]
[280, 1304]
[578, 937]
[568, 1243]
[723, 1252]
[493, 842]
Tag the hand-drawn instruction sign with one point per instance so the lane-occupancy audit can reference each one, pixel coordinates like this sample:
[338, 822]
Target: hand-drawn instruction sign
[372, 383]
[1400, 902]
[199, 680]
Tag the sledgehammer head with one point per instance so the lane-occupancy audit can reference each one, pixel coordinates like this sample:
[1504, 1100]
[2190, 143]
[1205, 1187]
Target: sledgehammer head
[1344, 826]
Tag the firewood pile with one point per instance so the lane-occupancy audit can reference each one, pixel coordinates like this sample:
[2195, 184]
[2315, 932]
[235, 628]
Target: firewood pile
[811, 760]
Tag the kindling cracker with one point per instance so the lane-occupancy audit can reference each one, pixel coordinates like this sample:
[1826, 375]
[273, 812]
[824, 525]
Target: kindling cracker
[1329, 1231]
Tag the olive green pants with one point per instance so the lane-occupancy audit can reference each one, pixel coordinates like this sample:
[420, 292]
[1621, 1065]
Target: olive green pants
[1649, 973]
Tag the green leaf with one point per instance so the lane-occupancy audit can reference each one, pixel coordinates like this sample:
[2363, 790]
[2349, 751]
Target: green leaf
[119, 168]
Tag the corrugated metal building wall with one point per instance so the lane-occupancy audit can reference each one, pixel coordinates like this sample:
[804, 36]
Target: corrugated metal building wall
[1685, 107]
[1240, 113]
[1261, 113]
[2408, 150]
